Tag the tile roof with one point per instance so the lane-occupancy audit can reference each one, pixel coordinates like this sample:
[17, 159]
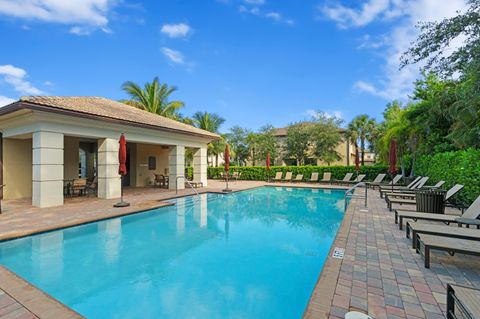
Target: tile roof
[109, 109]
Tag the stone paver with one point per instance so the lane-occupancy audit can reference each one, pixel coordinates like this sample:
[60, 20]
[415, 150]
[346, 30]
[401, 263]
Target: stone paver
[386, 276]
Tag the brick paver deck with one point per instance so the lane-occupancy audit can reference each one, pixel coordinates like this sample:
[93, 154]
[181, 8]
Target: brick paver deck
[380, 273]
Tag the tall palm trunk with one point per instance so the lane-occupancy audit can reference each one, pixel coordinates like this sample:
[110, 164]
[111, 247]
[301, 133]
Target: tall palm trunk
[362, 145]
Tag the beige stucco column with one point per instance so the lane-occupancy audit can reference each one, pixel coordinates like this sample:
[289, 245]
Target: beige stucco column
[47, 169]
[200, 165]
[176, 166]
[109, 182]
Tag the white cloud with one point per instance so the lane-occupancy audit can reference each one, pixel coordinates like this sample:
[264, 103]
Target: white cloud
[173, 56]
[345, 16]
[395, 83]
[275, 16]
[5, 100]
[180, 30]
[254, 2]
[16, 78]
[91, 13]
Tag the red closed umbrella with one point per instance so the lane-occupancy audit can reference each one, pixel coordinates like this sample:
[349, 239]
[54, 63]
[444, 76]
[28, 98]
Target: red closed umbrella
[357, 160]
[122, 156]
[122, 167]
[392, 157]
[226, 167]
[227, 159]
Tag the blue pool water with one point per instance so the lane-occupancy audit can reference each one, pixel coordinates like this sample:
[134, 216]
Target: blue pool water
[252, 254]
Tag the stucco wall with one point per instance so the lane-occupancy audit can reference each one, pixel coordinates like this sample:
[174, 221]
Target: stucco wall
[342, 151]
[143, 151]
[17, 168]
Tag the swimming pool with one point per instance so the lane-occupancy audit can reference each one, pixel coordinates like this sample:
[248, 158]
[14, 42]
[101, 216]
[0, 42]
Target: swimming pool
[251, 254]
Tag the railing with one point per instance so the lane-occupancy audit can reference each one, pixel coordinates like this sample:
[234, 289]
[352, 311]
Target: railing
[186, 181]
[350, 193]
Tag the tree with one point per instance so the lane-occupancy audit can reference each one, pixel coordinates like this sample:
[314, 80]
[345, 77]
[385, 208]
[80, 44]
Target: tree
[433, 43]
[210, 122]
[298, 141]
[237, 138]
[253, 146]
[325, 137]
[153, 98]
[267, 142]
[361, 128]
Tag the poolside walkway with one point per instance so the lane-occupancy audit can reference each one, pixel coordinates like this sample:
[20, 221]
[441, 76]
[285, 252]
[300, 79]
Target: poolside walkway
[380, 273]
[383, 276]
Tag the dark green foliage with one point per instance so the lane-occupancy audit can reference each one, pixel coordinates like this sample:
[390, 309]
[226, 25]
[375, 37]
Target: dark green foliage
[459, 167]
[433, 43]
[259, 173]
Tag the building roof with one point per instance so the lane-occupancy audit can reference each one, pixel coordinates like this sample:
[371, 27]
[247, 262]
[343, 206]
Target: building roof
[104, 109]
[282, 131]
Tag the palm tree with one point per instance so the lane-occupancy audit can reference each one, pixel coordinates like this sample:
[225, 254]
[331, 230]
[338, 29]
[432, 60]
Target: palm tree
[207, 121]
[153, 98]
[210, 122]
[361, 128]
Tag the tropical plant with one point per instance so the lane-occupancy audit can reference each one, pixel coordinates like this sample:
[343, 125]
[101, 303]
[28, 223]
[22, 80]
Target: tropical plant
[210, 122]
[153, 98]
[361, 128]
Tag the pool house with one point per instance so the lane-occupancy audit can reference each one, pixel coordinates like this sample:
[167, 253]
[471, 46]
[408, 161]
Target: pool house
[48, 142]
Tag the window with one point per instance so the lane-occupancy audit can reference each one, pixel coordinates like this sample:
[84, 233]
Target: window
[152, 163]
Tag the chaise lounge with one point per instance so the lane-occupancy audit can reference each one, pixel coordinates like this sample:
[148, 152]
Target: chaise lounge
[406, 201]
[426, 243]
[471, 214]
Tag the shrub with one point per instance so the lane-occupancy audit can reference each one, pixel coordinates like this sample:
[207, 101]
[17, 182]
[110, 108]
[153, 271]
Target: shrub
[458, 167]
[259, 173]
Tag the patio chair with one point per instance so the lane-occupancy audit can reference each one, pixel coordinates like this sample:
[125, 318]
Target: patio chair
[160, 181]
[407, 201]
[278, 177]
[426, 243]
[462, 302]
[412, 194]
[377, 181]
[92, 187]
[288, 177]
[298, 178]
[393, 188]
[470, 216]
[235, 176]
[314, 177]
[347, 178]
[327, 177]
[412, 229]
[358, 179]
[79, 186]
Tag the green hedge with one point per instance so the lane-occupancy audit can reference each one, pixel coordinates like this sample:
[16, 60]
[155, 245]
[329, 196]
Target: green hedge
[459, 167]
[259, 173]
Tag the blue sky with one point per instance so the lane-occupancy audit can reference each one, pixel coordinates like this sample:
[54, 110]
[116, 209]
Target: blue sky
[251, 61]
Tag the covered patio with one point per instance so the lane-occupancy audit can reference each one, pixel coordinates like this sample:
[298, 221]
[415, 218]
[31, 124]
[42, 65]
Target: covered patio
[49, 142]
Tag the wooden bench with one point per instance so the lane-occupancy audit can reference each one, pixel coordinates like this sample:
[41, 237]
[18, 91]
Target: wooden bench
[466, 299]
[414, 229]
[426, 243]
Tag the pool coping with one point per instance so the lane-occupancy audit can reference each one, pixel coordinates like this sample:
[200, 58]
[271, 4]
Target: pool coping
[42, 304]
[322, 295]
[35, 300]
